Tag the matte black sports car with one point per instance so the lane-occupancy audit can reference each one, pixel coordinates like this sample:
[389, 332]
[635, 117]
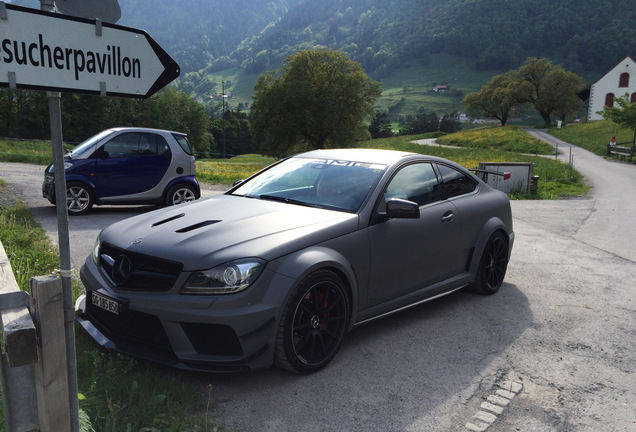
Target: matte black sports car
[279, 268]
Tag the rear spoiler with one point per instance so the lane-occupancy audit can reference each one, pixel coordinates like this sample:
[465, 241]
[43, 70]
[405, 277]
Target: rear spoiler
[484, 173]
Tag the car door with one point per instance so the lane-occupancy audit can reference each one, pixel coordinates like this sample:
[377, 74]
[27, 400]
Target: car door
[131, 163]
[409, 254]
[462, 190]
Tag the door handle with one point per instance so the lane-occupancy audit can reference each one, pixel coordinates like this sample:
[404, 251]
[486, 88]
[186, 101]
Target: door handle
[448, 217]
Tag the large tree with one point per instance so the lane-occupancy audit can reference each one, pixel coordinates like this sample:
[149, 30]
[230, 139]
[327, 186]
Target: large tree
[317, 99]
[497, 99]
[623, 113]
[550, 89]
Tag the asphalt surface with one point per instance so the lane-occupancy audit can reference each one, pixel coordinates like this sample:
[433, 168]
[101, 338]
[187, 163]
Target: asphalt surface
[558, 340]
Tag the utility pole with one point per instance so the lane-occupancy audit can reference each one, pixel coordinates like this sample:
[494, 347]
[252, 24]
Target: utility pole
[55, 116]
[223, 115]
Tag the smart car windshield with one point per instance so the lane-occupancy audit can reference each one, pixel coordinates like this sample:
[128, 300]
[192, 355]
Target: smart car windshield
[332, 184]
[82, 147]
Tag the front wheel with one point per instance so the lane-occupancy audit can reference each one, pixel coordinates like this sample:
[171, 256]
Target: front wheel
[313, 324]
[179, 194]
[79, 198]
[492, 266]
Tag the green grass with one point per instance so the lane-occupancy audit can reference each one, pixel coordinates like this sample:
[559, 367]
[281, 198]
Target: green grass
[558, 180]
[507, 138]
[594, 136]
[118, 393]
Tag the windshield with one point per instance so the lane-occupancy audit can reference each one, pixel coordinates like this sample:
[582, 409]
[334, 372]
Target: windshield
[324, 183]
[81, 148]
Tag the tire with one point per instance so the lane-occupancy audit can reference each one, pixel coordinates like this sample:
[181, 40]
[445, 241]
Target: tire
[79, 198]
[179, 194]
[313, 324]
[492, 265]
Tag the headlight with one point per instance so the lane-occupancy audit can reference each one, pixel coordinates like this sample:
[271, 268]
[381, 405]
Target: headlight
[67, 165]
[227, 278]
[96, 250]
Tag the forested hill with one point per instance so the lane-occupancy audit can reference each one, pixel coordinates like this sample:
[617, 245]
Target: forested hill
[383, 34]
[212, 35]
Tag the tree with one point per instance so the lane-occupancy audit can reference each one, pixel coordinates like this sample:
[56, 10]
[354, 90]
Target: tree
[550, 89]
[317, 99]
[623, 113]
[380, 126]
[497, 99]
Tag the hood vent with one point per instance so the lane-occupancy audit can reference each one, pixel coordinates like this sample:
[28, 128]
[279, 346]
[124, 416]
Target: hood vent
[197, 226]
[168, 220]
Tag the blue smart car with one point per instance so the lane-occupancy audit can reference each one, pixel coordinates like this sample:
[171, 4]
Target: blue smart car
[127, 166]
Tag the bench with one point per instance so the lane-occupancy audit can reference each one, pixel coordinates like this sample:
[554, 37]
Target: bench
[621, 151]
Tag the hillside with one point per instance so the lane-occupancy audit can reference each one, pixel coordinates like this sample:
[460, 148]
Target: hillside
[214, 40]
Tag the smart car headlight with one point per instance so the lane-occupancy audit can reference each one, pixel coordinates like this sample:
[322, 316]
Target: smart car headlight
[228, 278]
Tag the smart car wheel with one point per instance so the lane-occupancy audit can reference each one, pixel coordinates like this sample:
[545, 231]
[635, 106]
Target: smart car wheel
[179, 194]
[79, 198]
[492, 266]
[313, 324]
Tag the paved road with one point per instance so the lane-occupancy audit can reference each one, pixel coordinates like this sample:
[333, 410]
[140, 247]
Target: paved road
[561, 333]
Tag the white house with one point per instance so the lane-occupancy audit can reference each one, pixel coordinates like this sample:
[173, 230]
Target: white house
[621, 79]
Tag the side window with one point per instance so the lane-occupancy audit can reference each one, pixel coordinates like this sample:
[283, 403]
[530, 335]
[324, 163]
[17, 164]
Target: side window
[148, 144]
[609, 100]
[455, 183]
[124, 145]
[417, 183]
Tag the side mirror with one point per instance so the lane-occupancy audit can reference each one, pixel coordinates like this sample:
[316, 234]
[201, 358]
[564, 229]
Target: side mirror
[397, 208]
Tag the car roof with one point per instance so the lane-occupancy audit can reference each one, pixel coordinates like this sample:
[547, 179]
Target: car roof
[379, 156]
[375, 156]
[143, 129]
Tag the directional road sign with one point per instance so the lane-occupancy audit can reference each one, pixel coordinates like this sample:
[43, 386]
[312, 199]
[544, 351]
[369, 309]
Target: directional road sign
[47, 51]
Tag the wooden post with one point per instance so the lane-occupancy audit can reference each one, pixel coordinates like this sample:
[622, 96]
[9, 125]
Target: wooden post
[51, 372]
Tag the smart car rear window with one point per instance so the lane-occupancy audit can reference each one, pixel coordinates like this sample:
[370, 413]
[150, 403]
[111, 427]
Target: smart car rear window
[184, 143]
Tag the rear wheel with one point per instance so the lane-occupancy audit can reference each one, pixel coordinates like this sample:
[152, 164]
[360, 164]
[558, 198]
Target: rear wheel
[179, 194]
[492, 266]
[313, 324]
[79, 198]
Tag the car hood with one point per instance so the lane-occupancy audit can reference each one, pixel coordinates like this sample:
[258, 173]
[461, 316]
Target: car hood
[209, 232]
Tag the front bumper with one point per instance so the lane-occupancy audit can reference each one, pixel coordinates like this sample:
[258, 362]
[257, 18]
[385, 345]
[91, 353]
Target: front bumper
[228, 333]
[48, 189]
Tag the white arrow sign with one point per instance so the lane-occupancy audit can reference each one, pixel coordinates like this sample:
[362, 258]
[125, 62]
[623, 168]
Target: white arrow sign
[46, 51]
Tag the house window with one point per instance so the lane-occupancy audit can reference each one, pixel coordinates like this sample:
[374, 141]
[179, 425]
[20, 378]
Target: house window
[633, 98]
[609, 100]
[624, 80]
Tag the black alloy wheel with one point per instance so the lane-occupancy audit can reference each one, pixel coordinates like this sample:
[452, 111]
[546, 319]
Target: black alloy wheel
[492, 266]
[313, 324]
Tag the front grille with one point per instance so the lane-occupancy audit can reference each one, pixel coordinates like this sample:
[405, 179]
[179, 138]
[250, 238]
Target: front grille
[145, 273]
[130, 327]
[213, 339]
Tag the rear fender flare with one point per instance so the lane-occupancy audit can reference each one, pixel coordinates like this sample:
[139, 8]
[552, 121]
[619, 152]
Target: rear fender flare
[493, 225]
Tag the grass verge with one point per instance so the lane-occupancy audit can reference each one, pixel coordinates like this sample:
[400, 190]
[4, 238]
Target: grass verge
[117, 393]
[594, 136]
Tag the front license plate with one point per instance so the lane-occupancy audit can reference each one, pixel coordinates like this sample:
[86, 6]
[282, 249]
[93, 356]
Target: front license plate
[106, 303]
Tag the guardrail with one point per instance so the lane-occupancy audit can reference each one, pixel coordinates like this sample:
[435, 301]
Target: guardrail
[621, 151]
[33, 368]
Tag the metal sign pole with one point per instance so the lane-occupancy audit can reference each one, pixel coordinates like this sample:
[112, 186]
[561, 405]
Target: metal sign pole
[55, 115]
